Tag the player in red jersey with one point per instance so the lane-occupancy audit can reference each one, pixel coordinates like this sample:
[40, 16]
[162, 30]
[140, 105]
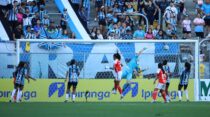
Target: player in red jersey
[161, 83]
[118, 70]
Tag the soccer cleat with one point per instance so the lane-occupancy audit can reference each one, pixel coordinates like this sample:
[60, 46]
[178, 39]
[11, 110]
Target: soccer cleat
[121, 97]
[188, 100]
[66, 101]
[180, 100]
[153, 101]
[114, 92]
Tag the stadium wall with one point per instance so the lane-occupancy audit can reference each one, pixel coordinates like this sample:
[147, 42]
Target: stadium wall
[48, 60]
[97, 91]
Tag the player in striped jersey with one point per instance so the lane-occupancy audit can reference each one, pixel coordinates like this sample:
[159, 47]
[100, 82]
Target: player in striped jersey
[72, 76]
[184, 81]
[20, 74]
[166, 68]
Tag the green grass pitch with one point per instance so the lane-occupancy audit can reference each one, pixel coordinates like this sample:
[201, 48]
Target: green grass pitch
[92, 109]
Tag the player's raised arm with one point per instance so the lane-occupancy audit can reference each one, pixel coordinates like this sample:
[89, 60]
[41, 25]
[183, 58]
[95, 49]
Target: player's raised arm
[140, 52]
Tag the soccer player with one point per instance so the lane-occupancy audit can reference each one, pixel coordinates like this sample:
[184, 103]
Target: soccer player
[20, 74]
[161, 83]
[166, 68]
[72, 76]
[118, 70]
[132, 66]
[184, 80]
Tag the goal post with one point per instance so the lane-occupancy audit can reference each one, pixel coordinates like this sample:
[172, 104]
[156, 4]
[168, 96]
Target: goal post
[175, 51]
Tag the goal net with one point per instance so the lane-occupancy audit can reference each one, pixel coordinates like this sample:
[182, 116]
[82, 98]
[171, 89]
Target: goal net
[49, 59]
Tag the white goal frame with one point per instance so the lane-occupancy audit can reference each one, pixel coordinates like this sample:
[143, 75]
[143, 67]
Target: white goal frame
[196, 56]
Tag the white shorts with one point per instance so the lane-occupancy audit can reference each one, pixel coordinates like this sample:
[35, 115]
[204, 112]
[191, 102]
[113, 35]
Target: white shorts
[161, 86]
[118, 76]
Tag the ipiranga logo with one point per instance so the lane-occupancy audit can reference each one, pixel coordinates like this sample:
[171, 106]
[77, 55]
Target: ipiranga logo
[57, 86]
[205, 88]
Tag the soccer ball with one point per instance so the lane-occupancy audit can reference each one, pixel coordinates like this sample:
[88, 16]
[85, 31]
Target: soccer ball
[166, 47]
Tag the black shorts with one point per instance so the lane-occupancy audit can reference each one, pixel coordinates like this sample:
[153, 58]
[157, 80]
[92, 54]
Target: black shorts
[18, 86]
[74, 84]
[187, 32]
[207, 21]
[180, 86]
[167, 84]
[102, 22]
[199, 34]
[98, 4]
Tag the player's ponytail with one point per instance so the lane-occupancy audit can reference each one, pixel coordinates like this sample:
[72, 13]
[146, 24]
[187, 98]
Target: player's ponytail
[187, 66]
[160, 66]
[117, 56]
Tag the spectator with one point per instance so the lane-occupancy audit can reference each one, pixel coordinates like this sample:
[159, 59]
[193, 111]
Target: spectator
[169, 31]
[12, 15]
[206, 10]
[156, 30]
[140, 5]
[64, 19]
[128, 34]
[199, 26]
[35, 18]
[37, 28]
[29, 34]
[170, 12]
[42, 12]
[111, 35]
[160, 35]
[65, 34]
[129, 8]
[186, 24]
[99, 36]
[46, 20]
[172, 21]
[149, 34]
[27, 17]
[34, 7]
[18, 32]
[116, 8]
[20, 16]
[102, 19]
[98, 6]
[139, 34]
[150, 11]
[162, 4]
[93, 33]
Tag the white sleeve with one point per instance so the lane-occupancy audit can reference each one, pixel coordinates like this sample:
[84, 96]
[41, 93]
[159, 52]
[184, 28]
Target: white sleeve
[158, 71]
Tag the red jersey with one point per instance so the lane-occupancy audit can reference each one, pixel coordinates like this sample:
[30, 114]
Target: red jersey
[161, 76]
[117, 66]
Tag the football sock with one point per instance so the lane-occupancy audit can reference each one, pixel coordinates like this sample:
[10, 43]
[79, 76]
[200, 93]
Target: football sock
[186, 93]
[19, 95]
[154, 95]
[13, 94]
[67, 96]
[73, 97]
[180, 95]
